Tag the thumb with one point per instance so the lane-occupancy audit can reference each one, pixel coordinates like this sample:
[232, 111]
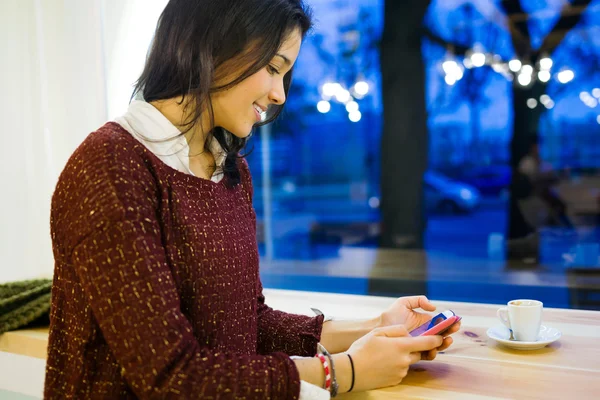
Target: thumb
[426, 304]
[391, 331]
[414, 302]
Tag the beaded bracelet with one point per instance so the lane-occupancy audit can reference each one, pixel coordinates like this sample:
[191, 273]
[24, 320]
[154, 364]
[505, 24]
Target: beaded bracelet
[334, 384]
[326, 369]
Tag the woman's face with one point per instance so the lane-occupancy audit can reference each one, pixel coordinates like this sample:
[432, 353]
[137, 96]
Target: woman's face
[237, 109]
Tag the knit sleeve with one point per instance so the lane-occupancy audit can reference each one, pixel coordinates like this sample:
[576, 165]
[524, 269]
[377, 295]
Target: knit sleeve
[120, 262]
[278, 331]
[295, 335]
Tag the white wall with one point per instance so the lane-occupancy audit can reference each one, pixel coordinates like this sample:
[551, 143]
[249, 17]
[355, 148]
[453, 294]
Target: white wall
[66, 67]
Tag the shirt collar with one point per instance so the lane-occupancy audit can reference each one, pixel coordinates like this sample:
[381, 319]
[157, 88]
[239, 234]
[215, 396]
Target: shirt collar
[161, 137]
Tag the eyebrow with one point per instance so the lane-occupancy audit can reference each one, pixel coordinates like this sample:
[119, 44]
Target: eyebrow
[285, 59]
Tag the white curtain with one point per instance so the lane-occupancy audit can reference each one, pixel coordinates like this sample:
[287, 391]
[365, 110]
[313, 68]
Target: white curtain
[67, 66]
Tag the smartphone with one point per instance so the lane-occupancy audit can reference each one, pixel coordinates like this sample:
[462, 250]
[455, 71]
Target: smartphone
[438, 324]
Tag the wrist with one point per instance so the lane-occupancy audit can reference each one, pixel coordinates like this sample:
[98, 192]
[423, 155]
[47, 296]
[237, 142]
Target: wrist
[310, 370]
[338, 336]
[377, 322]
[343, 372]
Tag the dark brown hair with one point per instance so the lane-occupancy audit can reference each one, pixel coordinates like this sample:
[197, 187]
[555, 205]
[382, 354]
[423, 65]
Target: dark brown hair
[197, 42]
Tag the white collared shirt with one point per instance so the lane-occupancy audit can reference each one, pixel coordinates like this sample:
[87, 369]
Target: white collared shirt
[148, 125]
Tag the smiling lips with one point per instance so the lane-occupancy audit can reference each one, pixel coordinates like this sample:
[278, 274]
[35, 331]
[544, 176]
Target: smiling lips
[259, 111]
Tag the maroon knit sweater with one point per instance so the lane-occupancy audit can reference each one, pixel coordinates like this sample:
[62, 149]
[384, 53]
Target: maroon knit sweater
[156, 287]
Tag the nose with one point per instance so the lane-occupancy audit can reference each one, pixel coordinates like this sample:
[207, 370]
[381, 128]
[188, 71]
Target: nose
[277, 93]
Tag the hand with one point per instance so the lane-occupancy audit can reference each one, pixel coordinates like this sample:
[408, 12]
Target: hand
[402, 312]
[382, 357]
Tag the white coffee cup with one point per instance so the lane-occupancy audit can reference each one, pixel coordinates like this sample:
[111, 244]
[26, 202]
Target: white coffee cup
[523, 318]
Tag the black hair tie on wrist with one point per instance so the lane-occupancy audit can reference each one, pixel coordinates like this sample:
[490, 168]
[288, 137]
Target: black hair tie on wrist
[351, 365]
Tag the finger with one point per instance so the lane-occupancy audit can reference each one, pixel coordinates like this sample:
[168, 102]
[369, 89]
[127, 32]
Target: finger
[453, 329]
[445, 344]
[423, 343]
[392, 331]
[422, 302]
[415, 357]
[426, 355]
[429, 355]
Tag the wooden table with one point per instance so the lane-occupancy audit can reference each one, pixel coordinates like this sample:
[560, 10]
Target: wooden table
[475, 367]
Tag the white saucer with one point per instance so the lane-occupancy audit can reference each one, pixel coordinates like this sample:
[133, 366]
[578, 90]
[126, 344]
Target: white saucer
[501, 334]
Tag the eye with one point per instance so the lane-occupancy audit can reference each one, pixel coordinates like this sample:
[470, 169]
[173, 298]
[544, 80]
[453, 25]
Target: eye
[272, 70]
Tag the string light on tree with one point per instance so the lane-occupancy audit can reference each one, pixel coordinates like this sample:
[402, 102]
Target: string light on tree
[343, 96]
[527, 69]
[355, 116]
[336, 91]
[565, 76]
[361, 88]
[588, 99]
[545, 99]
[453, 70]
[476, 56]
[544, 76]
[330, 89]
[478, 59]
[449, 66]
[323, 106]
[374, 202]
[532, 103]
[524, 73]
[352, 106]
[524, 79]
[596, 93]
[468, 63]
[546, 63]
[498, 67]
[514, 65]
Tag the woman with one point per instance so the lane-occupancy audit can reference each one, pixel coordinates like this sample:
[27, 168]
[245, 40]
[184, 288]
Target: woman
[156, 289]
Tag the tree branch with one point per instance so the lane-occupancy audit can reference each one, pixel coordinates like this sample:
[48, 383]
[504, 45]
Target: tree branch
[519, 34]
[459, 50]
[569, 18]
